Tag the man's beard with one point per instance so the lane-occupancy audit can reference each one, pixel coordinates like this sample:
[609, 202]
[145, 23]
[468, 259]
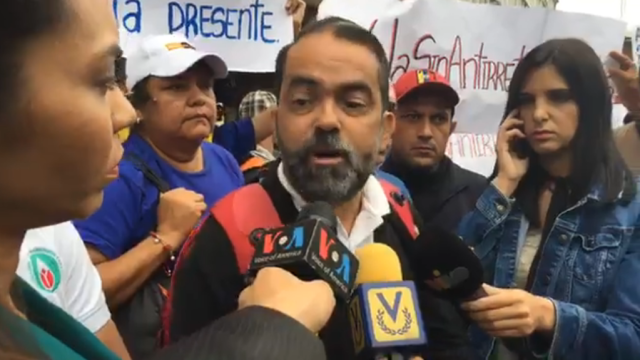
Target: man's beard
[334, 184]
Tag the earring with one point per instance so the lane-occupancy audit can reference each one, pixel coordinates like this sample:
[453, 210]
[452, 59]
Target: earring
[138, 120]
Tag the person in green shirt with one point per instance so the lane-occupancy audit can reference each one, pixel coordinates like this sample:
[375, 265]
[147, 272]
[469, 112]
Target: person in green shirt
[59, 106]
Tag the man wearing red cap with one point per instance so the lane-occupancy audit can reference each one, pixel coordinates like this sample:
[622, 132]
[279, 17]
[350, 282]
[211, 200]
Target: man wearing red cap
[442, 191]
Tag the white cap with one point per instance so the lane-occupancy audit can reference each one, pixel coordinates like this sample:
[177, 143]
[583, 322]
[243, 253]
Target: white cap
[166, 56]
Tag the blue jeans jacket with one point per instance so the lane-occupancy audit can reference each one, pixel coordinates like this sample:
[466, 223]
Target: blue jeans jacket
[589, 267]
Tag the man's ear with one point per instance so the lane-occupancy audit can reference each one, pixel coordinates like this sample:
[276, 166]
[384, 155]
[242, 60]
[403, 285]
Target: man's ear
[388, 126]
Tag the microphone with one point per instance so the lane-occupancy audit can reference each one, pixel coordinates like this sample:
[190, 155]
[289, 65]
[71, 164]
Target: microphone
[450, 266]
[386, 322]
[309, 249]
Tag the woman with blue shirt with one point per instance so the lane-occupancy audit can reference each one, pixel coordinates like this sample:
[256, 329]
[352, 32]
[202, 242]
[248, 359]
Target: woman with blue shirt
[557, 231]
[167, 180]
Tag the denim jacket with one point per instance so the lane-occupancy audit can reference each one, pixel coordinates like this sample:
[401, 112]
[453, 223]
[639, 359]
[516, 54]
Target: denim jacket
[589, 267]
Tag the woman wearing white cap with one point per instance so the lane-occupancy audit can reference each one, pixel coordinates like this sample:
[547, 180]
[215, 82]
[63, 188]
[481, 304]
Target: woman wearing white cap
[169, 177]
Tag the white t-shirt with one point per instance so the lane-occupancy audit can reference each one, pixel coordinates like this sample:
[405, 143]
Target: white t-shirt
[54, 261]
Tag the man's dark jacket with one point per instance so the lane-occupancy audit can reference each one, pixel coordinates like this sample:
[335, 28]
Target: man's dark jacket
[207, 283]
[442, 196]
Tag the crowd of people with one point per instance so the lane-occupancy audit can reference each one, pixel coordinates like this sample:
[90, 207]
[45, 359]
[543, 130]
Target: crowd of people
[121, 250]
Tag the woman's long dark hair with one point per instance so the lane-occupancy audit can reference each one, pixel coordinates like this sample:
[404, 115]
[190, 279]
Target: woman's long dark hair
[595, 158]
[22, 22]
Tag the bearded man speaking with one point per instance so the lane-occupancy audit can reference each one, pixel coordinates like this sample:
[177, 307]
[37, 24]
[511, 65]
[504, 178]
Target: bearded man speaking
[332, 120]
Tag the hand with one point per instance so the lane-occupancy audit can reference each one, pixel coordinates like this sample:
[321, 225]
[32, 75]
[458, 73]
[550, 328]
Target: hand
[309, 302]
[178, 212]
[626, 81]
[511, 312]
[510, 167]
[296, 8]
[264, 123]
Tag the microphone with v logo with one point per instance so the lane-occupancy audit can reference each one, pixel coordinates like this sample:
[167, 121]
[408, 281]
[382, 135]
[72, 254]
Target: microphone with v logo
[391, 310]
[385, 318]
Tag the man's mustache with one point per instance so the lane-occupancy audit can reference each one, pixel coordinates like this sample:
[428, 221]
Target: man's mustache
[429, 144]
[326, 143]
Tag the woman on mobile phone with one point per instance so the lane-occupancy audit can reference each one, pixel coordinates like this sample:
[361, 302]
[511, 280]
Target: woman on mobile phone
[556, 230]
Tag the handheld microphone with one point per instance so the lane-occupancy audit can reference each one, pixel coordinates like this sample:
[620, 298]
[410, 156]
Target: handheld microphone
[386, 322]
[309, 249]
[454, 270]
[450, 266]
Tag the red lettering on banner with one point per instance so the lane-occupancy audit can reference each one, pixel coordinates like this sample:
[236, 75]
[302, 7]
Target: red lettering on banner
[475, 72]
[471, 145]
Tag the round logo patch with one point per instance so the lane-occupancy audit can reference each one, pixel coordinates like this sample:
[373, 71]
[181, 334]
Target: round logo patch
[45, 269]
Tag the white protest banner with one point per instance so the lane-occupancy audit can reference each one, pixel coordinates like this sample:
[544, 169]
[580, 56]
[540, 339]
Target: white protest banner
[247, 34]
[362, 12]
[477, 47]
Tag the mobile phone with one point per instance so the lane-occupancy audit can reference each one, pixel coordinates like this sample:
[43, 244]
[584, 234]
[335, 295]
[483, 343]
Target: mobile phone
[520, 147]
[610, 63]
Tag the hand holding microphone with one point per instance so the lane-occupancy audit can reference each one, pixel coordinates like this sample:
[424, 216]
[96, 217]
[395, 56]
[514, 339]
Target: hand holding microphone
[309, 249]
[453, 269]
[511, 312]
[450, 267]
[311, 303]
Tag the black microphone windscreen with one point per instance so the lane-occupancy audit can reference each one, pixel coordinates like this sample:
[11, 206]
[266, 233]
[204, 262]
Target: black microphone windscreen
[308, 248]
[448, 265]
[321, 211]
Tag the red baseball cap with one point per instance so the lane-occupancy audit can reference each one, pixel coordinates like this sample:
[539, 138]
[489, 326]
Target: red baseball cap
[426, 79]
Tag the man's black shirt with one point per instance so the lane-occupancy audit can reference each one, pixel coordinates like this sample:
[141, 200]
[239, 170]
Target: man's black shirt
[442, 196]
[208, 281]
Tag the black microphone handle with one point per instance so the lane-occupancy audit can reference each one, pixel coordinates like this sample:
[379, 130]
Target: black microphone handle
[256, 236]
[480, 293]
